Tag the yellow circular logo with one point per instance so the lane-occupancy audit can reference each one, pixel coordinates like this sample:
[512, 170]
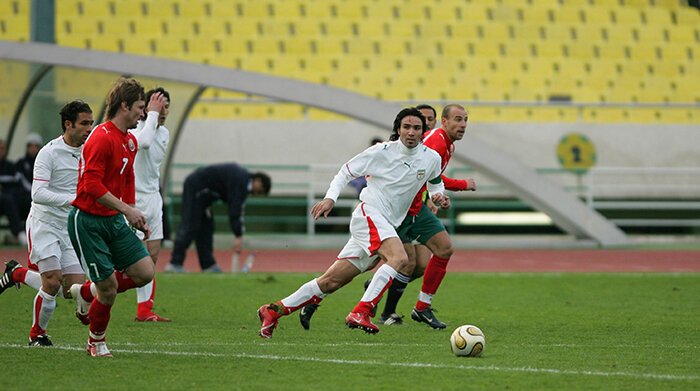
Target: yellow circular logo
[576, 152]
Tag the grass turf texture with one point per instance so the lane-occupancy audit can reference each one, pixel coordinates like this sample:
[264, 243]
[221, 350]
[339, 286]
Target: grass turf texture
[543, 331]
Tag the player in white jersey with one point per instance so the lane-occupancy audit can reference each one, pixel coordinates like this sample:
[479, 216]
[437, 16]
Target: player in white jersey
[153, 138]
[50, 249]
[397, 170]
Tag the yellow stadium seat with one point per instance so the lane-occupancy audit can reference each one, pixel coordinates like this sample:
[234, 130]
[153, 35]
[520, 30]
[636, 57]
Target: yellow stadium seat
[650, 34]
[635, 69]
[581, 51]
[339, 28]
[257, 10]
[504, 13]
[276, 28]
[568, 14]
[300, 45]
[474, 12]
[432, 30]
[413, 13]
[537, 15]
[246, 28]
[148, 28]
[192, 9]
[317, 10]
[138, 45]
[109, 44]
[179, 28]
[644, 52]
[682, 33]
[627, 15]
[517, 49]
[587, 94]
[311, 29]
[328, 46]
[442, 12]
[657, 16]
[597, 15]
[287, 9]
[665, 69]
[605, 115]
[169, 47]
[527, 33]
[404, 29]
[94, 9]
[469, 31]
[548, 49]
[266, 46]
[225, 9]
[559, 32]
[371, 28]
[618, 33]
[495, 31]
[588, 33]
[677, 52]
[612, 51]
[688, 16]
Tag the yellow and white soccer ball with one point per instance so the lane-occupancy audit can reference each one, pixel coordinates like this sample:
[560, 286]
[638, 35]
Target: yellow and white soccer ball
[467, 341]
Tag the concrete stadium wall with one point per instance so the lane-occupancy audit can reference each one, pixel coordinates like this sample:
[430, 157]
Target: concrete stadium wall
[302, 142]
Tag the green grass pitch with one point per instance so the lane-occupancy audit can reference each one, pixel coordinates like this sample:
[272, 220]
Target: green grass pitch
[543, 331]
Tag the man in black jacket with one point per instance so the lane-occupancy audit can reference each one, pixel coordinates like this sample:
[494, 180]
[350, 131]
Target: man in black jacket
[228, 182]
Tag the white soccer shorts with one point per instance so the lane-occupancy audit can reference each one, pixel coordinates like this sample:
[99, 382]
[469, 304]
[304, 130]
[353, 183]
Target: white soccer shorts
[151, 205]
[368, 229]
[47, 240]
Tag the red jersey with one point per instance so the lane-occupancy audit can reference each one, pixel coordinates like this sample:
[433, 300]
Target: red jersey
[106, 165]
[438, 141]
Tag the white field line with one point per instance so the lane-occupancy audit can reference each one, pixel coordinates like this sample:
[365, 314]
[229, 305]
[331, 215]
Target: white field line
[374, 364]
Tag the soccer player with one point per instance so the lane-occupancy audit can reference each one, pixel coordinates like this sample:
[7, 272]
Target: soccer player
[109, 251]
[153, 138]
[422, 225]
[50, 250]
[398, 169]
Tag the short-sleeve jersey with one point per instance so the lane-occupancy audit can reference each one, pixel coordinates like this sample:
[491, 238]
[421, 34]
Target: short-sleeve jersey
[438, 141]
[106, 165]
[55, 172]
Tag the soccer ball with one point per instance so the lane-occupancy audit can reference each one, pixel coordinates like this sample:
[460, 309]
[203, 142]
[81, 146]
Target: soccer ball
[467, 341]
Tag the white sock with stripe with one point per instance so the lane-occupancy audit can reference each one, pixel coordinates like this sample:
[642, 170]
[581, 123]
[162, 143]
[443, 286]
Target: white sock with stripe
[303, 295]
[143, 294]
[44, 306]
[380, 282]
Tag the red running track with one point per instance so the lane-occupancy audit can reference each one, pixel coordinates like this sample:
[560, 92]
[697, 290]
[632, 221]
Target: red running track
[513, 260]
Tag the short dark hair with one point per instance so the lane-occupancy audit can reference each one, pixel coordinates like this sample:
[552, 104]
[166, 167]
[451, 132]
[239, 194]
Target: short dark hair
[446, 110]
[125, 90]
[407, 112]
[157, 89]
[70, 111]
[427, 106]
[265, 180]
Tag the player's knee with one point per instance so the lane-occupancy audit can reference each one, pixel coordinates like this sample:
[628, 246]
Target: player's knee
[444, 252]
[51, 285]
[329, 284]
[400, 263]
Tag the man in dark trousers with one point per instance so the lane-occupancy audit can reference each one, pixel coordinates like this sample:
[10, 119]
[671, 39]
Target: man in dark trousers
[228, 182]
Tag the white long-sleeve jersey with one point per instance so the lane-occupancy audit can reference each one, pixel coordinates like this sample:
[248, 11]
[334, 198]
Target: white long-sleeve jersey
[396, 174]
[153, 143]
[55, 181]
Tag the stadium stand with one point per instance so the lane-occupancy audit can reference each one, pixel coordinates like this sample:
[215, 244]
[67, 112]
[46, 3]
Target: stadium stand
[584, 51]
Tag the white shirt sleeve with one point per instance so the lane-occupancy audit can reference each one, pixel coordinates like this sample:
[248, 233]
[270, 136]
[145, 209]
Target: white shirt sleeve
[439, 186]
[41, 194]
[147, 132]
[354, 168]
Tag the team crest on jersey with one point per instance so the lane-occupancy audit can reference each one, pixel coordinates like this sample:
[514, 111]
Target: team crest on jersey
[132, 147]
[420, 175]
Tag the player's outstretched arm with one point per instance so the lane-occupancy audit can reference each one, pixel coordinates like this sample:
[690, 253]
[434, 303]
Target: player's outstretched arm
[322, 208]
